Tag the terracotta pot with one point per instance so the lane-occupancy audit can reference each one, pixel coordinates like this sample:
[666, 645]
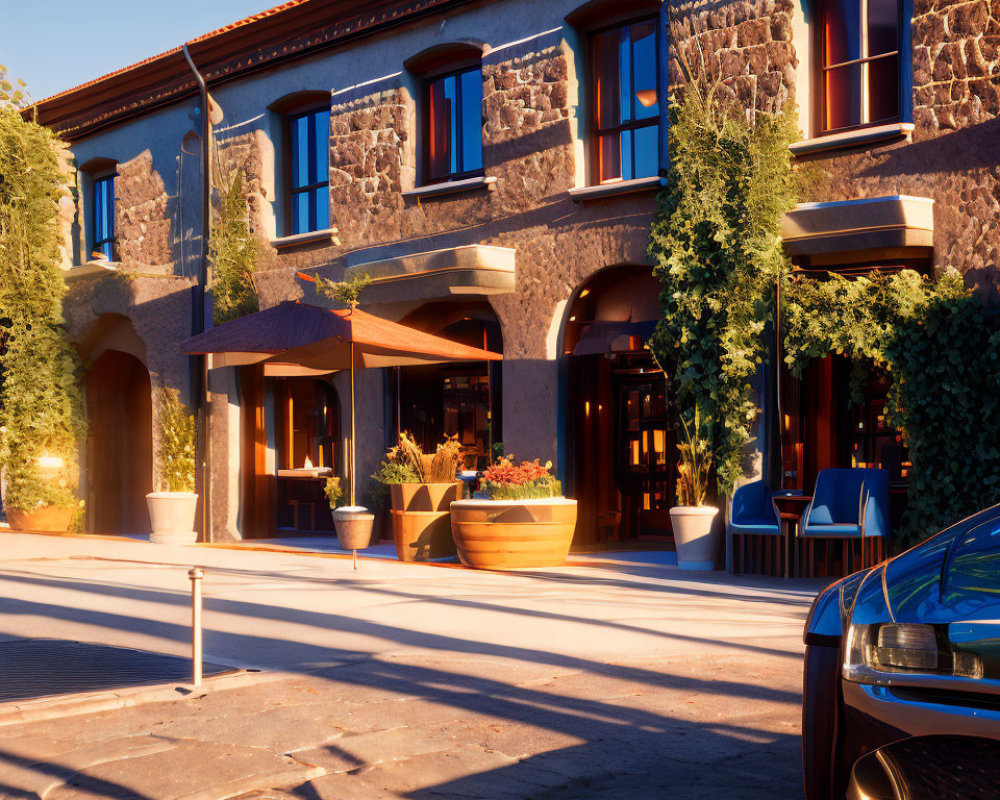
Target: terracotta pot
[696, 535]
[421, 521]
[354, 527]
[513, 534]
[48, 518]
[172, 516]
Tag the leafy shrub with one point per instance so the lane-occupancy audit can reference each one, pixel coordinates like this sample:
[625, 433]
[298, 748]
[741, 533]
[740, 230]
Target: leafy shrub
[176, 448]
[346, 292]
[528, 480]
[234, 254]
[942, 352]
[334, 493]
[41, 404]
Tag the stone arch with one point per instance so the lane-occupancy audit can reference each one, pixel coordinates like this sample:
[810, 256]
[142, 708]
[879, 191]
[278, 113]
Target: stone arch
[619, 438]
[118, 464]
[454, 399]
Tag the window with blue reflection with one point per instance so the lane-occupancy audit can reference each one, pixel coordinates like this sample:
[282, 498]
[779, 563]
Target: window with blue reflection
[454, 125]
[309, 143]
[626, 102]
[104, 217]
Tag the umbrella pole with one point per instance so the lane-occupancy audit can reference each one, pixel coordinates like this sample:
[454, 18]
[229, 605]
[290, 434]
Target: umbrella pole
[352, 424]
[354, 553]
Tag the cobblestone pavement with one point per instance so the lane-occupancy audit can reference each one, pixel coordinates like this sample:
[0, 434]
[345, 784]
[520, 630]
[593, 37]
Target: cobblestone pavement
[612, 678]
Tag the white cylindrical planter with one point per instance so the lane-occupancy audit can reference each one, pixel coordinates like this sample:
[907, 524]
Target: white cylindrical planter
[696, 536]
[354, 527]
[172, 516]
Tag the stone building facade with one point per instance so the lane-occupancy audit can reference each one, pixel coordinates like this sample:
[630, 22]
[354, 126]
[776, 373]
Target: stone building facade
[544, 235]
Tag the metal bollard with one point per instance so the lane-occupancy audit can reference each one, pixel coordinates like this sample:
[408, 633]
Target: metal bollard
[196, 574]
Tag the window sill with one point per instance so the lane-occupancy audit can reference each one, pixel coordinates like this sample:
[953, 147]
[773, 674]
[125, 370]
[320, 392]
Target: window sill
[604, 190]
[325, 236]
[451, 187]
[864, 136]
[90, 269]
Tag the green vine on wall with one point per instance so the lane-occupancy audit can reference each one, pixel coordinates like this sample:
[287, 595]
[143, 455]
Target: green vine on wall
[937, 343]
[42, 422]
[234, 253]
[717, 252]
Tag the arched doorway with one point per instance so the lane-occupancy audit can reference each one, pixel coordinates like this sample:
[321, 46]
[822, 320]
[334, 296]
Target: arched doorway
[621, 437]
[463, 400]
[119, 471]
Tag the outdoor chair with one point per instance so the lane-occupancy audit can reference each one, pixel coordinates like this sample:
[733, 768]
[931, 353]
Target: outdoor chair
[755, 528]
[850, 505]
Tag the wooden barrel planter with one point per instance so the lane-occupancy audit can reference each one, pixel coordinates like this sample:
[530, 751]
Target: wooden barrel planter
[51, 519]
[513, 534]
[421, 522]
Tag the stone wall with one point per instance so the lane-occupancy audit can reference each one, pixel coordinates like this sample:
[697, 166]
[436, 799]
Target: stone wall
[956, 58]
[143, 211]
[371, 162]
[745, 44]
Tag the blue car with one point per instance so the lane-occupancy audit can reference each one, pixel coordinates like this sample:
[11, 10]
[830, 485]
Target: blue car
[901, 692]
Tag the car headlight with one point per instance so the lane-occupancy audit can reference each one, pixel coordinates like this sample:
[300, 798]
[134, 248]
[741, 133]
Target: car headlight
[871, 650]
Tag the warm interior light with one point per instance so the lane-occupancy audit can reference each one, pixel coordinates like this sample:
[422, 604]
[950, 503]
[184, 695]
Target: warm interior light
[647, 97]
[308, 464]
[585, 292]
[50, 462]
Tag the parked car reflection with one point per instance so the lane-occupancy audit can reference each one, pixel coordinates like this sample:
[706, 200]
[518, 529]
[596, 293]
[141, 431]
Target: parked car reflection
[902, 673]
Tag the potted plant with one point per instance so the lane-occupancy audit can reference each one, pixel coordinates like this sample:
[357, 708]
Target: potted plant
[172, 509]
[696, 534]
[41, 493]
[526, 522]
[422, 487]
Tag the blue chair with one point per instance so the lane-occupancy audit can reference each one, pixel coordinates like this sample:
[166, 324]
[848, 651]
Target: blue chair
[850, 504]
[753, 515]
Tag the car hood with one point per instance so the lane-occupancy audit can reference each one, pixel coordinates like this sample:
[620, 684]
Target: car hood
[953, 576]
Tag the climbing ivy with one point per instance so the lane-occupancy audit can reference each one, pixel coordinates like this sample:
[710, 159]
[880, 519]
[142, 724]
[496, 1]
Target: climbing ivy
[41, 405]
[938, 345]
[234, 253]
[717, 252]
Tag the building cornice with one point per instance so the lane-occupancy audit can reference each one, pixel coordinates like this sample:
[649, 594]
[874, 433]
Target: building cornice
[294, 29]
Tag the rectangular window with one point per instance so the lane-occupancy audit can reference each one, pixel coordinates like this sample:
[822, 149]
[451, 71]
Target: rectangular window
[626, 102]
[454, 125]
[104, 217]
[860, 63]
[309, 143]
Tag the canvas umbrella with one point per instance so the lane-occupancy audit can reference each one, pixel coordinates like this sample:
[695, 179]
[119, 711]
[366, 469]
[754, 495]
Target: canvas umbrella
[295, 338]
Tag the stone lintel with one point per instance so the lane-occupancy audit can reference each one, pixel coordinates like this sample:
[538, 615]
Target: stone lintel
[452, 272]
[870, 223]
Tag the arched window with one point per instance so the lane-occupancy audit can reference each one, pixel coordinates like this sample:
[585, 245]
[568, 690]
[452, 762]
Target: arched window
[859, 60]
[452, 111]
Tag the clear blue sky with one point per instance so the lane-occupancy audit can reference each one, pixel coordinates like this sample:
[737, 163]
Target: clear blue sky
[57, 44]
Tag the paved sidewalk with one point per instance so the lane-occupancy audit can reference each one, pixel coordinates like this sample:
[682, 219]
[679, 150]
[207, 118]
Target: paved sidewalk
[616, 677]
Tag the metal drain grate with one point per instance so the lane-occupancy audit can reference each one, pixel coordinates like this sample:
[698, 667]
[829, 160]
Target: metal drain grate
[31, 668]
